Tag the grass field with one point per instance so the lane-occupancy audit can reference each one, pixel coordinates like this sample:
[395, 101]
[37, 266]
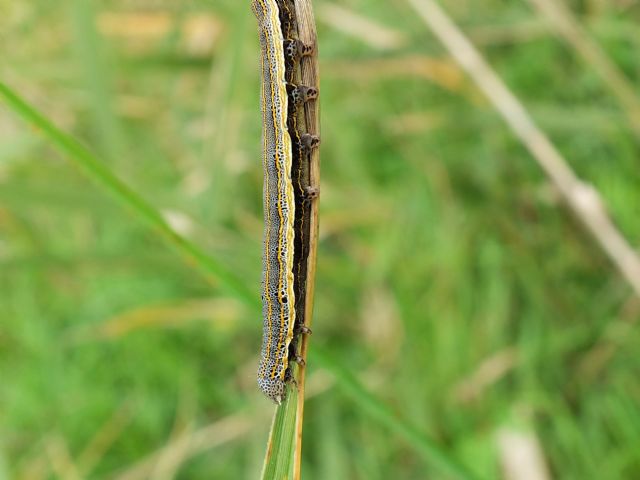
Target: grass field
[452, 281]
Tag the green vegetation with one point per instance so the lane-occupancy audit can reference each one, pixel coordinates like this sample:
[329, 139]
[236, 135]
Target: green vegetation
[458, 302]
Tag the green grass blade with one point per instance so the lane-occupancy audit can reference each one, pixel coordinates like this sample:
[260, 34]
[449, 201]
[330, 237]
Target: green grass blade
[278, 460]
[427, 448]
[96, 169]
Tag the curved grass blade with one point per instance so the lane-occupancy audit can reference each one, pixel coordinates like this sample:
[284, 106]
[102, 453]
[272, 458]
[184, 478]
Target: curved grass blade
[98, 172]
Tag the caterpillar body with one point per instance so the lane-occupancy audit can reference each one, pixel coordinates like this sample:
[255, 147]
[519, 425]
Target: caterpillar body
[286, 193]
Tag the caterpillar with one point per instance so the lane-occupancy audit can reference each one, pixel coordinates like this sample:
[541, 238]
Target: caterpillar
[286, 193]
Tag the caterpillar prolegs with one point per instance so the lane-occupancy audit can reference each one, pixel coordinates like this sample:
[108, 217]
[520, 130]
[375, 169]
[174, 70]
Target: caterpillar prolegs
[287, 192]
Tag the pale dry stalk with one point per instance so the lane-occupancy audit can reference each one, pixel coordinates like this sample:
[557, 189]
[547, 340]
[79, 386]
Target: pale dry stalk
[309, 76]
[582, 198]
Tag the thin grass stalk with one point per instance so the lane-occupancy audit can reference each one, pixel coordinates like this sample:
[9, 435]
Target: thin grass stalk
[310, 76]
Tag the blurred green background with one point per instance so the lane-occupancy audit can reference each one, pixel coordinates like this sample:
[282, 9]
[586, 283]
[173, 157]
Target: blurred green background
[452, 281]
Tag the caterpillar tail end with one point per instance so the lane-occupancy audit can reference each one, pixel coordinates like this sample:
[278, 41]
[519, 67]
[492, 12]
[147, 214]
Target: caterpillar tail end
[273, 389]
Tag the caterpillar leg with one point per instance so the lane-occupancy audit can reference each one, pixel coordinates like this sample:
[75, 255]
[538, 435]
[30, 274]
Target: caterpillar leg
[308, 142]
[311, 193]
[302, 330]
[301, 93]
[295, 49]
